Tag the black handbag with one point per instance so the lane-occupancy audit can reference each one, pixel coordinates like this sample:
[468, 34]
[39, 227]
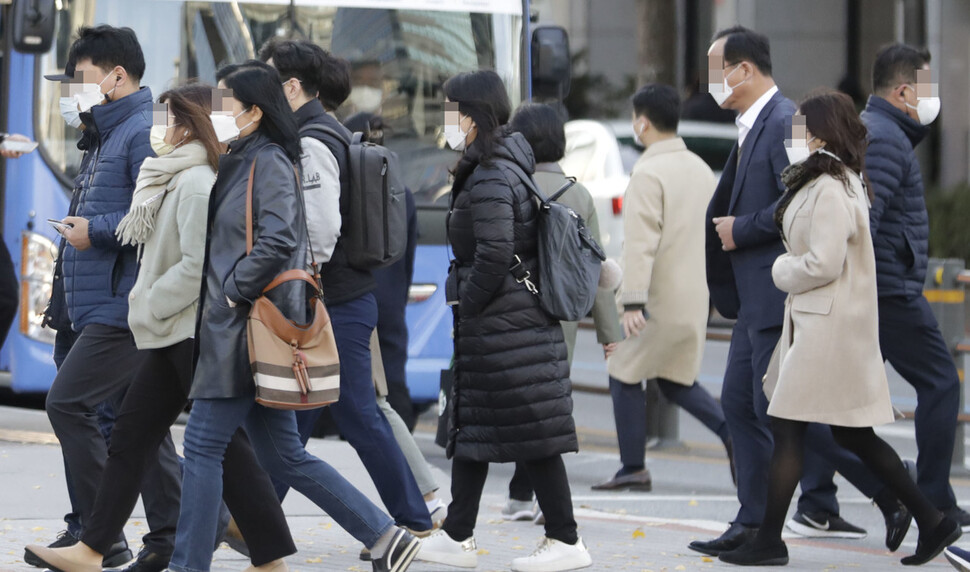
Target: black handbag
[445, 394]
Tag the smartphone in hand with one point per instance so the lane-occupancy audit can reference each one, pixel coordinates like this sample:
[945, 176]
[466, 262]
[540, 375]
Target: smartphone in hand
[17, 146]
[59, 226]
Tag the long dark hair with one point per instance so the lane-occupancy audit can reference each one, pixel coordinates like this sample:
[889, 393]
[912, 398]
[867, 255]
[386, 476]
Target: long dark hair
[255, 83]
[831, 117]
[480, 95]
[191, 105]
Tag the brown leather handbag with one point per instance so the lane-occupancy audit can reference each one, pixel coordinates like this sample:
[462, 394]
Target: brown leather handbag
[295, 366]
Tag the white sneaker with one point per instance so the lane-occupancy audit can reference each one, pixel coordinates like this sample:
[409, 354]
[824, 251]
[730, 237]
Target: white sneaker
[519, 510]
[554, 556]
[438, 511]
[441, 549]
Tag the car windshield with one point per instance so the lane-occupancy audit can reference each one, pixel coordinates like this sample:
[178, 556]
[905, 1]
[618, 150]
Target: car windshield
[400, 58]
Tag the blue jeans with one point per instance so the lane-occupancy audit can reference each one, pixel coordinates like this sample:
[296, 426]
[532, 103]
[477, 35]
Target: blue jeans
[360, 419]
[277, 445]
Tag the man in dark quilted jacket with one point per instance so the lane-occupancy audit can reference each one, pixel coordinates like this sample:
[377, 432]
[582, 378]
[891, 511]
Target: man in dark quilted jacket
[898, 114]
[98, 275]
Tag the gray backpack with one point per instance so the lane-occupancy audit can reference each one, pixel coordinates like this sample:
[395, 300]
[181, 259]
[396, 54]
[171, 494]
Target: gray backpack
[375, 233]
[569, 258]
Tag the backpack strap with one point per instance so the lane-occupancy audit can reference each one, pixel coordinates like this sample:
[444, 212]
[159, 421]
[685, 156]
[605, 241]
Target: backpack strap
[317, 131]
[570, 181]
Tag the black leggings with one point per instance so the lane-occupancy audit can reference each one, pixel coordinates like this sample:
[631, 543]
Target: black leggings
[552, 492]
[876, 454]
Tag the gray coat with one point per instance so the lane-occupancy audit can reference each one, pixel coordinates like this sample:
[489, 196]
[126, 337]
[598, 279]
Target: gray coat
[279, 244]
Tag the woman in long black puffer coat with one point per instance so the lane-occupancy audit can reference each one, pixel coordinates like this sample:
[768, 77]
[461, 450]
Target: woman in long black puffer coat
[512, 391]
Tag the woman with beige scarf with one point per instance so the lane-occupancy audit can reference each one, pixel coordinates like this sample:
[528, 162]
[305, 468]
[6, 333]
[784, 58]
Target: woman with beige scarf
[167, 221]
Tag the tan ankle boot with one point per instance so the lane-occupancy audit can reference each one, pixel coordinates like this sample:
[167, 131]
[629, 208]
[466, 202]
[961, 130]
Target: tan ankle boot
[77, 558]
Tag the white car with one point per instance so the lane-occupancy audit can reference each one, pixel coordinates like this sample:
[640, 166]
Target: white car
[601, 154]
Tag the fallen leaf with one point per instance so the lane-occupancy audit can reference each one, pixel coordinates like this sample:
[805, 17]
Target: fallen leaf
[638, 534]
[316, 560]
[692, 503]
[706, 559]
[482, 552]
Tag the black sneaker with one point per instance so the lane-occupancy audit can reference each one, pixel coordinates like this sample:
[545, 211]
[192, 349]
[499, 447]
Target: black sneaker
[404, 546]
[822, 525]
[961, 516]
[64, 539]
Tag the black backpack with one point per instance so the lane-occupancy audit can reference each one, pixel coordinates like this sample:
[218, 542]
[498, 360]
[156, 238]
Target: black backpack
[375, 232]
[569, 258]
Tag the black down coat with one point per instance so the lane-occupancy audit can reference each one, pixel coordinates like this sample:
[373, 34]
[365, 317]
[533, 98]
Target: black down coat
[511, 396]
[279, 244]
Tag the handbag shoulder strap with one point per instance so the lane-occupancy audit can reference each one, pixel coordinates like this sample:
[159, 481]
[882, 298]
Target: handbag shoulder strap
[249, 208]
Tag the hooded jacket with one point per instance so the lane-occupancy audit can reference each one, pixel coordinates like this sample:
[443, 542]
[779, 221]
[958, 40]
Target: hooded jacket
[97, 280]
[898, 220]
[511, 396]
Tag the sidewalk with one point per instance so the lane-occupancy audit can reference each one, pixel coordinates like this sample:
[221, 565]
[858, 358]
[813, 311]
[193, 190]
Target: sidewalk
[33, 499]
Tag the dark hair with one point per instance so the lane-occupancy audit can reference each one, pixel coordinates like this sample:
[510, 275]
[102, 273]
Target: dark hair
[255, 83]
[896, 64]
[542, 127]
[191, 105]
[334, 82]
[370, 125]
[481, 95]
[226, 70]
[660, 103]
[744, 45]
[107, 47]
[320, 74]
[832, 117]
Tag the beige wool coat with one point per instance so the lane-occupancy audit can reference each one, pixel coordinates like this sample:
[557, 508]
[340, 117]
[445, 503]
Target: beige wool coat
[830, 369]
[663, 264]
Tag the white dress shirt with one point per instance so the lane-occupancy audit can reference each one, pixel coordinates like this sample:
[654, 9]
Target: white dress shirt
[746, 120]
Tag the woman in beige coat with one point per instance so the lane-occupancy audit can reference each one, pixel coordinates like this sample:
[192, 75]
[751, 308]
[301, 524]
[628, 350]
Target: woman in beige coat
[828, 367]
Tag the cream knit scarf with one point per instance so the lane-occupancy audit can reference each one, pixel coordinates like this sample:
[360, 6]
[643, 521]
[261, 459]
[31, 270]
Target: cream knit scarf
[158, 177]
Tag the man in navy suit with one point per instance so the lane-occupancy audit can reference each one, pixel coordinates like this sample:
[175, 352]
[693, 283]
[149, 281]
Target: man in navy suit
[742, 244]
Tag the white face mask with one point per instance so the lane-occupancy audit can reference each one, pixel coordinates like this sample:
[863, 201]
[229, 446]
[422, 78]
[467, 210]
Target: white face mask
[69, 112]
[722, 91]
[455, 136]
[90, 95]
[637, 133]
[225, 126]
[157, 139]
[366, 98]
[798, 153]
[927, 108]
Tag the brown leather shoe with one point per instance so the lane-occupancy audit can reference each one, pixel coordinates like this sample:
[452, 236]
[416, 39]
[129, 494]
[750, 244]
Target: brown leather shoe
[638, 481]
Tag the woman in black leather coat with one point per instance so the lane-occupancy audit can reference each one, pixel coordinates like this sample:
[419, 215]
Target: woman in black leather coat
[512, 391]
[223, 387]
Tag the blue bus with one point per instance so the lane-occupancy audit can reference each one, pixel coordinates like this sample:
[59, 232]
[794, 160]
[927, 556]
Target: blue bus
[401, 52]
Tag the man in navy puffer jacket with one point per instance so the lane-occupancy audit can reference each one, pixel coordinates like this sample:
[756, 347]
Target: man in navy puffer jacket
[897, 119]
[98, 275]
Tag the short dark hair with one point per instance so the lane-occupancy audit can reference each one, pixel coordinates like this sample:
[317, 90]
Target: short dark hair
[256, 83]
[543, 128]
[107, 47]
[298, 59]
[744, 45]
[660, 103]
[334, 82]
[896, 64]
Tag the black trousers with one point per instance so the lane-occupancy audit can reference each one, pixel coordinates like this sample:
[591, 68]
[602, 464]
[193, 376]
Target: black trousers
[552, 492]
[99, 367]
[9, 289]
[911, 341]
[157, 395]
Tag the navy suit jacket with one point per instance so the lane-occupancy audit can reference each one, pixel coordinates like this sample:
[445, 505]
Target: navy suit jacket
[740, 281]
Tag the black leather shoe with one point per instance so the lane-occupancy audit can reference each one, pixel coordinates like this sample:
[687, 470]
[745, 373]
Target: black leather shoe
[118, 555]
[733, 538]
[897, 525]
[638, 481]
[961, 517]
[751, 555]
[930, 545]
[149, 561]
[64, 538]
